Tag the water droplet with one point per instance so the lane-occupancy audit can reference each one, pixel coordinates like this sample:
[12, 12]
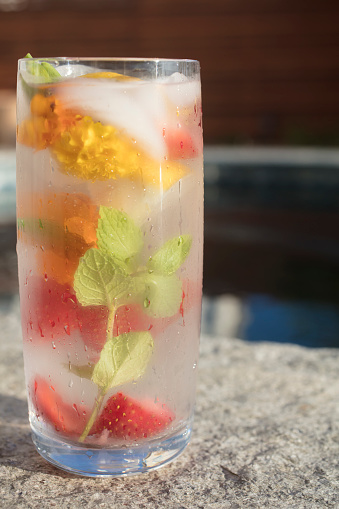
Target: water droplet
[53, 345]
[71, 383]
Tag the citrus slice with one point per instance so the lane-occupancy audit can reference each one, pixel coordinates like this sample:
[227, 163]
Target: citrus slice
[64, 225]
[92, 151]
[109, 75]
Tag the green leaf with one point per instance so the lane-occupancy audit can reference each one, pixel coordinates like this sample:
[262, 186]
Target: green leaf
[123, 359]
[163, 295]
[39, 72]
[171, 255]
[98, 281]
[118, 235]
[85, 371]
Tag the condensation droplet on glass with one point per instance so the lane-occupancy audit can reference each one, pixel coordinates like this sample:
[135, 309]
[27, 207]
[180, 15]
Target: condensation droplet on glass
[53, 345]
[71, 383]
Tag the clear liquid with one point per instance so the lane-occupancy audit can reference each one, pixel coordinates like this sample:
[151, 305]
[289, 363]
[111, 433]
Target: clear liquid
[58, 217]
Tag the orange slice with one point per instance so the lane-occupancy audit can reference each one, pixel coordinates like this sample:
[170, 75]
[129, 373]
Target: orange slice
[110, 75]
[92, 151]
[63, 225]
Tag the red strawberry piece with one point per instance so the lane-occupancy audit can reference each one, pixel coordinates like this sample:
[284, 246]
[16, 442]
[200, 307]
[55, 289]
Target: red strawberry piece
[93, 325]
[49, 406]
[51, 313]
[180, 143]
[49, 309]
[131, 318]
[126, 418]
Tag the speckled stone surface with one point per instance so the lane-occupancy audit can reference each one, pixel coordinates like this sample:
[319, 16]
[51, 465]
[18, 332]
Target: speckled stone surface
[266, 434]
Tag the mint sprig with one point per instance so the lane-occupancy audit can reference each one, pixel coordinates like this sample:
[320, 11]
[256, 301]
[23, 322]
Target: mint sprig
[110, 276]
[118, 235]
[40, 72]
[123, 359]
[162, 295]
[37, 73]
[98, 281]
[171, 256]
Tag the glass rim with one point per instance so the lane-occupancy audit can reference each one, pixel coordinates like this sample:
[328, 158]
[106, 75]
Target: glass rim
[110, 59]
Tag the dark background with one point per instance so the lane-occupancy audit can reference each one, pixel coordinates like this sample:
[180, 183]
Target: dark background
[270, 70]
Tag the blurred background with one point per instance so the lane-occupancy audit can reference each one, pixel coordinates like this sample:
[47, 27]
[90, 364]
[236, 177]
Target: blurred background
[270, 84]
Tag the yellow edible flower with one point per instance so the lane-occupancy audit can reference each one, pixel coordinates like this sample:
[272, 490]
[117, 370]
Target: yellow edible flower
[93, 151]
[48, 119]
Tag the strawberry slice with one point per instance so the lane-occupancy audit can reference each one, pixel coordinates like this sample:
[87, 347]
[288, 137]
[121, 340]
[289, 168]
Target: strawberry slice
[180, 144]
[52, 313]
[49, 406]
[126, 418]
[50, 310]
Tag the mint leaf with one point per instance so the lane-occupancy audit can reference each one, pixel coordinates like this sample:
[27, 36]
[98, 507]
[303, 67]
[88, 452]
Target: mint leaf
[118, 235]
[163, 295]
[98, 281]
[171, 255]
[40, 72]
[85, 371]
[123, 359]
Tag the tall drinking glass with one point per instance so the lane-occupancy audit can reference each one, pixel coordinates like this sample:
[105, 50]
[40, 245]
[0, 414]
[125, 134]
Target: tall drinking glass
[110, 237]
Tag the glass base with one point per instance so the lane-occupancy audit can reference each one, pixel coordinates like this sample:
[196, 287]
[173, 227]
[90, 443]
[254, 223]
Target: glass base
[118, 462]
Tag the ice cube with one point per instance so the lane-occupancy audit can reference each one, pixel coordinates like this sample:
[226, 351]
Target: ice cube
[68, 69]
[181, 91]
[132, 108]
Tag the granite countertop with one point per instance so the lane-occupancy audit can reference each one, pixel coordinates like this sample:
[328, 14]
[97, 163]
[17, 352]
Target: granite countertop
[266, 434]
